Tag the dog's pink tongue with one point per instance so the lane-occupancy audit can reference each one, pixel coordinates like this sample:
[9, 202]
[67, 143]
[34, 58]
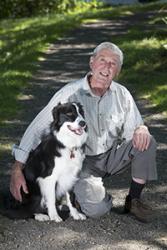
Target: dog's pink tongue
[79, 131]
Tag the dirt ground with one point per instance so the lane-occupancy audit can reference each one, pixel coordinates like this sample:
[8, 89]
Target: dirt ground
[67, 60]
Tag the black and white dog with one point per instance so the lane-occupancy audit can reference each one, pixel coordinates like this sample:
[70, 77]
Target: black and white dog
[51, 169]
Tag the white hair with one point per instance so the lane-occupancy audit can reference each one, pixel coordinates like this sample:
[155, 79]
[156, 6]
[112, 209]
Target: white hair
[114, 48]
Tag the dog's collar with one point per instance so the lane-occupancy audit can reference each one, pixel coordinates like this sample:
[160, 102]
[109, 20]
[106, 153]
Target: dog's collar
[72, 152]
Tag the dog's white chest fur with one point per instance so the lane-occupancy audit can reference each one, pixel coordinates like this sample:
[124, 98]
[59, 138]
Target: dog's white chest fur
[62, 179]
[66, 169]
[64, 174]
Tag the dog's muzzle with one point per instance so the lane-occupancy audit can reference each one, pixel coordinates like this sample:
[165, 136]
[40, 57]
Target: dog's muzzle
[79, 129]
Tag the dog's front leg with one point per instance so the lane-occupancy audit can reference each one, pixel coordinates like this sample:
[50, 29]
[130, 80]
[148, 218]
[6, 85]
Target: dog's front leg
[52, 211]
[73, 211]
[47, 187]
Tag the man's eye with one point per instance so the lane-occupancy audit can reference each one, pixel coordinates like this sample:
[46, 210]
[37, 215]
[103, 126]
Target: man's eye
[113, 63]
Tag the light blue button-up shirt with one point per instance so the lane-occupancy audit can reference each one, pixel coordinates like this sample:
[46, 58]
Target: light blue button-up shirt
[110, 117]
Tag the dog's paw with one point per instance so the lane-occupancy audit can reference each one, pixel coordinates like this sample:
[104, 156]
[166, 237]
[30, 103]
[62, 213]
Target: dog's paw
[55, 218]
[78, 216]
[82, 216]
[41, 217]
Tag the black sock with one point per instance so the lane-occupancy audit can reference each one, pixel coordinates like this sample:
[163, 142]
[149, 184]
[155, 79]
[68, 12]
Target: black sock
[135, 190]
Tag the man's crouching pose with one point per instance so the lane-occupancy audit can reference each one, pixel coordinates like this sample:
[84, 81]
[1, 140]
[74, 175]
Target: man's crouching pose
[117, 137]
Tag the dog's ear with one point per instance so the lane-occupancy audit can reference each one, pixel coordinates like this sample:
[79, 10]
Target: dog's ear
[55, 111]
[81, 110]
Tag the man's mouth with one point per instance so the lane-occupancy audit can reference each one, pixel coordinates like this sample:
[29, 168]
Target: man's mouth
[103, 74]
[77, 131]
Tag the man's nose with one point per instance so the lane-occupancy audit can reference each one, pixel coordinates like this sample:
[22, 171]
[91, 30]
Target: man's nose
[108, 65]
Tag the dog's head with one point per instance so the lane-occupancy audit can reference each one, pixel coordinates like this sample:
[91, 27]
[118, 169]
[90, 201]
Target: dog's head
[69, 122]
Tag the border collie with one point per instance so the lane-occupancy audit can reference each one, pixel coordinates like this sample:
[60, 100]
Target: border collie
[51, 169]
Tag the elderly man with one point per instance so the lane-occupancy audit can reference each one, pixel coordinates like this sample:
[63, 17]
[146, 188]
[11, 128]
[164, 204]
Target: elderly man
[117, 137]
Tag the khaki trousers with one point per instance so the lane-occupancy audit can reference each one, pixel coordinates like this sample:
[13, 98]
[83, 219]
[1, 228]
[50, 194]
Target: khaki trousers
[90, 191]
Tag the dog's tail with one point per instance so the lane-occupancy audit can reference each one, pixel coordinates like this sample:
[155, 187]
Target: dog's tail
[16, 214]
[16, 210]
[13, 209]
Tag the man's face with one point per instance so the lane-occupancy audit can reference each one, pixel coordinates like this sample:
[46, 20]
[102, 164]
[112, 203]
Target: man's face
[104, 66]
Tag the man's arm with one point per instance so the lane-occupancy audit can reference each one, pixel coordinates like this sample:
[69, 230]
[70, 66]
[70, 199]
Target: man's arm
[141, 138]
[134, 128]
[39, 126]
[32, 138]
[17, 181]
[29, 141]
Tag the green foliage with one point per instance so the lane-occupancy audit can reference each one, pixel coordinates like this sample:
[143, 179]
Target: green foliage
[29, 8]
[25, 8]
[23, 41]
[22, 44]
[145, 50]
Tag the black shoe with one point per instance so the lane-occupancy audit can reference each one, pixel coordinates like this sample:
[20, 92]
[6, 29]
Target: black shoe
[136, 207]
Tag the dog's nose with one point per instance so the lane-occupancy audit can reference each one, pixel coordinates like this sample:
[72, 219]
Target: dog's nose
[82, 123]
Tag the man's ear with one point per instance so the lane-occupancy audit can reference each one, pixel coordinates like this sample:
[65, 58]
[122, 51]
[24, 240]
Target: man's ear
[118, 71]
[91, 61]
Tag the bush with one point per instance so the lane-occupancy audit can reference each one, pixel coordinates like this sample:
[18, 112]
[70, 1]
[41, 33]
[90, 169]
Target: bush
[29, 8]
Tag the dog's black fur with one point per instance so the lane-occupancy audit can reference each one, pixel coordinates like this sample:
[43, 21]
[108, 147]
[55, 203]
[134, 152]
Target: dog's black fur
[41, 163]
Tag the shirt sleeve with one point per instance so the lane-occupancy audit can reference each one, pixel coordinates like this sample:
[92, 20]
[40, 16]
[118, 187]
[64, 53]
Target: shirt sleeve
[39, 126]
[133, 117]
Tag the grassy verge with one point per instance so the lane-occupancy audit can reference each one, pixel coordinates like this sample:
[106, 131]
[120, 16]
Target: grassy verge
[22, 45]
[145, 49]
[23, 41]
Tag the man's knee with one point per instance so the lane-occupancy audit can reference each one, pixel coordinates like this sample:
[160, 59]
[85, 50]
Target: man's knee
[153, 144]
[150, 152]
[97, 210]
[144, 163]
[92, 197]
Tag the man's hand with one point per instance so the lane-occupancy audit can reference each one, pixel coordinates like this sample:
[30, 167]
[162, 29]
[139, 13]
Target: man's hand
[17, 181]
[141, 138]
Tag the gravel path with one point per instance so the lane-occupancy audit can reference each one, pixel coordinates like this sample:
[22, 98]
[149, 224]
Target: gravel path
[67, 60]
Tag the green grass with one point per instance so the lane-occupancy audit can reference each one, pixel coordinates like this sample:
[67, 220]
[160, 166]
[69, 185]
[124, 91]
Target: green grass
[23, 41]
[22, 45]
[145, 51]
